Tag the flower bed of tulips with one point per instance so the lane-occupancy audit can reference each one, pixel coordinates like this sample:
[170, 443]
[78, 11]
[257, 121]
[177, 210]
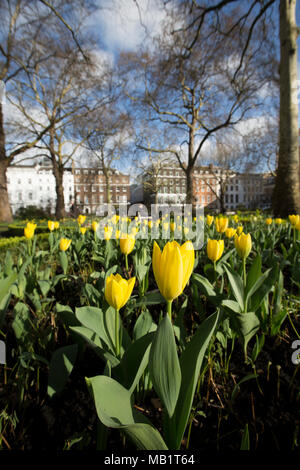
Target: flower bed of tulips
[126, 342]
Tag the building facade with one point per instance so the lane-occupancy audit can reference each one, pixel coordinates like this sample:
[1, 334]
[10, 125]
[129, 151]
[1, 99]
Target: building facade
[91, 189]
[214, 188]
[34, 185]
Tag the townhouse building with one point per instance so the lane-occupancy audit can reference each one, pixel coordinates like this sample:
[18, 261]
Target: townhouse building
[34, 185]
[92, 188]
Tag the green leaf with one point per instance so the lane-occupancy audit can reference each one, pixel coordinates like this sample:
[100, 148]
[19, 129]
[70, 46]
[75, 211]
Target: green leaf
[94, 319]
[264, 286]
[247, 325]
[135, 361]
[254, 273]
[61, 365]
[44, 286]
[190, 364]
[21, 322]
[5, 285]
[204, 284]
[164, 365]
[113, 405]
[4, 303]
[143, 325]
[100, 347]
[245, 443]
[236, 285]
[231, 305]
[67, 315]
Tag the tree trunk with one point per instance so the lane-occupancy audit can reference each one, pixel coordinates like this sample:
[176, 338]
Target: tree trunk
[189, 187]
[286, 197]
[58, 172]
[5, 209]
[106, 173]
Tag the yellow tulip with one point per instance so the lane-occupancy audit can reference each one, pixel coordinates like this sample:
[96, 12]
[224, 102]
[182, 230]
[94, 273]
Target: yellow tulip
[236, 218]
[186, 230]
[134, 231]
[243, 244]
[221, 224]
[51, 225]
[239, 229]
[215, 249]
[118, 234]
[294, 219]
[31, 226]
[269, 221]
[127, 243]
[107, 232]
[83, 230]
[297, 226]
[209, 219]
[95, 225]
[172, 226]
[56, 224]
[29, 232]
[173, 267]
[118, 290]
[64, 244]
[230, 232]
[278, 221]
[81, 219]
[150, 223]
[165, 226]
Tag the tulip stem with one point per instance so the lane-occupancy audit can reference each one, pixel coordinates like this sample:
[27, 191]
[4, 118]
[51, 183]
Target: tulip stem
[169, 309]
[117, 333]
[126, 262]
[244, 272]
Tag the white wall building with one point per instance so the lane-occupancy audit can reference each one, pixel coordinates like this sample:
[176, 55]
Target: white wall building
[35, 186]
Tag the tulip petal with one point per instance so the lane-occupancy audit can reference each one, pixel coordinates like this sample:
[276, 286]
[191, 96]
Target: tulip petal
[171, 271]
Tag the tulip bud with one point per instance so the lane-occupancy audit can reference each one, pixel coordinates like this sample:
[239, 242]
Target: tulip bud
[127, 243]
[81, 219]
[173, 267]
[51, 225]
[294, 219]
[209, 219]
[215, 249]
[118, 290]
[243, 244]
[221, 224]
[230, 232]
[64, 244]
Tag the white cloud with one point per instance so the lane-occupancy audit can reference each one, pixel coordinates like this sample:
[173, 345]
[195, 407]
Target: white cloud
[125, 24]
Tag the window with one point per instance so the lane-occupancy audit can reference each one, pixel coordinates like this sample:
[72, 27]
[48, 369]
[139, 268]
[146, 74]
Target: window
[19, 181]
[29, 180]
[20, 196]
[231, 198]
[30, 196]
[86, 199]
[86, 172]
[236, 198]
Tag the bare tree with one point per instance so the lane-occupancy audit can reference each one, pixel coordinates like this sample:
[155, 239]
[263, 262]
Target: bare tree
[195, 95]
[250, 19]
[27, 38]
[57, 96]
